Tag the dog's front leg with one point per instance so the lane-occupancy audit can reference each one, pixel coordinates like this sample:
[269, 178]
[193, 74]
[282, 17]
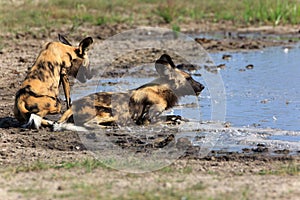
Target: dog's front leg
[66, 86]
[66, 115]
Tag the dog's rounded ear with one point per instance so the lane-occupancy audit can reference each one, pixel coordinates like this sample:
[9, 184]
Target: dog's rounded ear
[164, 65]
[63, 40]
[84, 44]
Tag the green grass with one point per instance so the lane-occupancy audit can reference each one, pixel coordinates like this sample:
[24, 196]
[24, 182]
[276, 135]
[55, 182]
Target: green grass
[88, 165]
[292, 169]
[86, 190]
[171, 182]
[23, 15]
[242, 193]
[198, 186]
[276, 11]
[172, 169]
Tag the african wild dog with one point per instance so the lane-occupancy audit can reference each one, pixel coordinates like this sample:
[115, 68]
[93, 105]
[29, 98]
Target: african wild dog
[38, 94]
[141, 105]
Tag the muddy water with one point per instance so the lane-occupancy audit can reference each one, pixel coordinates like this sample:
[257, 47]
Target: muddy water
[262, 99]
[267, 95]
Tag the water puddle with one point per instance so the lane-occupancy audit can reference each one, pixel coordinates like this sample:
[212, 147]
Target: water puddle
[262, 88]
[262, 98]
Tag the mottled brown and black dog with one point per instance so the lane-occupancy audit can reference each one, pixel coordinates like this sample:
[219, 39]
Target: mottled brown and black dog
[38, 94]
[141, 105]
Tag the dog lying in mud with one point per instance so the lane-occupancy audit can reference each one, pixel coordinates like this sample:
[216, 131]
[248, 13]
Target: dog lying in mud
[38, 94]
[140, 106]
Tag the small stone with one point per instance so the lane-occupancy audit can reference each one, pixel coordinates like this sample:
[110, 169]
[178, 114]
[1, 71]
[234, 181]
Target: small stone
[22, 60]
[282, 151]
[227, 124]
[250, 66]
[221, 66]
[264, 101]
[246, 150]
[226, 57]
[167, 185]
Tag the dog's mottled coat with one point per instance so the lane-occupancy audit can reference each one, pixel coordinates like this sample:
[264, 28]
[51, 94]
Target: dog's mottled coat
[141, 105]
[38, 94]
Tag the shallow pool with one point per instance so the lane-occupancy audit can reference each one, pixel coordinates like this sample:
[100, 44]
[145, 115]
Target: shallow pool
[265, 96]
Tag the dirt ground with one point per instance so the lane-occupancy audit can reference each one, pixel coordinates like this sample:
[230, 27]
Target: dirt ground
[27, 156]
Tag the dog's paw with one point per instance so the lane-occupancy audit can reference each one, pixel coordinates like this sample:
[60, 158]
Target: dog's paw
[34, 121]
[174, 119]
[56, 127]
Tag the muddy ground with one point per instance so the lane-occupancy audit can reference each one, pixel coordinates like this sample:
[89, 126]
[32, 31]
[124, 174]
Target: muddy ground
[225, 175]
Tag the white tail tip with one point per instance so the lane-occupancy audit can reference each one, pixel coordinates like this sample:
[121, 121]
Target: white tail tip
[34, 121]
